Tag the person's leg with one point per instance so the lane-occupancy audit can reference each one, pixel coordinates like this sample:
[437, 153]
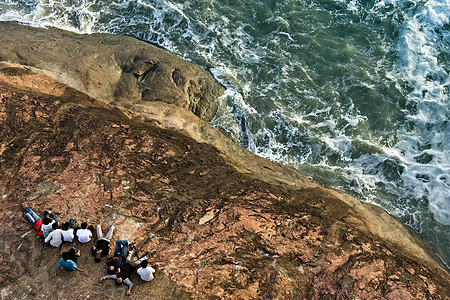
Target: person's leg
[110, 232]
[138, 262]
[52, 215]
[99, 232]
[118, 246]
[30, 219]
[121, 247]
[124, 249]
[32, 214]
[130, 254]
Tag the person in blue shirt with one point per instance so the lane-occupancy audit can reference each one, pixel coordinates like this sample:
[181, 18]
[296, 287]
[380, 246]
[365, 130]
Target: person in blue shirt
[68, 264]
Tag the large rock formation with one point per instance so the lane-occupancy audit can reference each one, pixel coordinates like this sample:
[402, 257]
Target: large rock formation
[115, 69]
[222, 222]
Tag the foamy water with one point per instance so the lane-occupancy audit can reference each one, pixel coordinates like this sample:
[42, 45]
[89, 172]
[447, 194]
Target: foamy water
[351, 93]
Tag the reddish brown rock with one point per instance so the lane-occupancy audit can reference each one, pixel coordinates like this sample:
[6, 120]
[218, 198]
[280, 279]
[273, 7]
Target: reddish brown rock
[223, 223]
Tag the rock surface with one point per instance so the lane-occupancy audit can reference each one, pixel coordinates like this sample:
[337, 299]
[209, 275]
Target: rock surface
[115, 69]
[222, 222]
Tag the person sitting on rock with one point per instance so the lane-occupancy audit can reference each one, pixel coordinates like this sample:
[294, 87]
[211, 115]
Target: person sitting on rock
[126, 270]
[73, 254]
[145, 271]
[114, 262]
[68, 264]
[33, 218]
[102, 248]
[47, 223]
[67, 231]
[84, 234]
[55, 238]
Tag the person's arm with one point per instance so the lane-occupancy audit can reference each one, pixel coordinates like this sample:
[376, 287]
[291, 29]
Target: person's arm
[128, 282]
[49, 237]
[81, 270]
[57, 272]
[129, 290]
[107, 277]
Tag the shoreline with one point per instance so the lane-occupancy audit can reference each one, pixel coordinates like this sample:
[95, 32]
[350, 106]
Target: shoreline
[368, 220]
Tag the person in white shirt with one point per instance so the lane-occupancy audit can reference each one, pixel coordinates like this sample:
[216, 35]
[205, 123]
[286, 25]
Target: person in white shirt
[67, 232]
[47, 222]
[145, 271]
[55, 237]
[84, 234]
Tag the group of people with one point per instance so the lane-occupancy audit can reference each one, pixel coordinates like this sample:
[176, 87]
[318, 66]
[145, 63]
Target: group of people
[120, 266]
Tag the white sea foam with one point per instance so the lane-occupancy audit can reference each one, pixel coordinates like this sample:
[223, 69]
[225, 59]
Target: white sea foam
[418, 49]
[69, 15]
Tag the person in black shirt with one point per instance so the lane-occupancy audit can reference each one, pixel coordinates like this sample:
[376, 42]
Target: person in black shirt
[73, 254]
[102, 248]
[114, 263]
[127, 269]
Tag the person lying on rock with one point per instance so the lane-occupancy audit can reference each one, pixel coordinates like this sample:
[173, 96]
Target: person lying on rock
[68, 264]
[34, 219]
[67, 231]
[127, 269]
[55, 238]
[84, 234]
[47, 223]
[145, 271]
[102, 248]
[114, 262]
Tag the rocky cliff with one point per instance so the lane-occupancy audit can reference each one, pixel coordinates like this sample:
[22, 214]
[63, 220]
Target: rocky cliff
[222, 222]
[114, 69]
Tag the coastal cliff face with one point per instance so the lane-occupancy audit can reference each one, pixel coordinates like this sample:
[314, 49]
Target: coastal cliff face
[222, 222]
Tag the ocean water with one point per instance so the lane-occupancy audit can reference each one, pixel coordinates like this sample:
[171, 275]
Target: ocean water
[353, 93]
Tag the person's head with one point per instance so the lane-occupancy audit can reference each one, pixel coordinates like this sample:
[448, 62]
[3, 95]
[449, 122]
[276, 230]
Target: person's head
[84, 225]
[97, 259]
[110, 270]
[65, 226]
[66, 255]
[119, 280]
[47, 220]
[74, 252]
[144, 264]
[54, 226]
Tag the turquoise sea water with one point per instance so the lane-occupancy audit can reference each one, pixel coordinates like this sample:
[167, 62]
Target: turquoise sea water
[352, 93]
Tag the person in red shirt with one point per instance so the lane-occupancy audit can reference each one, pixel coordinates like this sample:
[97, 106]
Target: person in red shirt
[34, 219]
